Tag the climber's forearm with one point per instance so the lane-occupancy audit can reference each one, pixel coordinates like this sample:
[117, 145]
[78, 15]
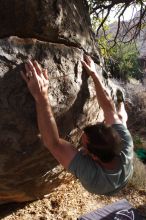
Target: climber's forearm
[63, 151]
[47, 124]
[37, 82]
[103, 98]
[106, 103]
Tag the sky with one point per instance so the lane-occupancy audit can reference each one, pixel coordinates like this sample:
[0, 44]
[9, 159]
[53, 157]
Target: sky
[129, 13]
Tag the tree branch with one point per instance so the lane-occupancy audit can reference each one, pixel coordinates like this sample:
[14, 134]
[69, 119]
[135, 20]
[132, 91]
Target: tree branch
[104, 7]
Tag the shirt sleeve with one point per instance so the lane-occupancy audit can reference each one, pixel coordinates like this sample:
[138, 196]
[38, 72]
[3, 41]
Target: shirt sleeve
[127, 141]
[81, 164]
[85, 169]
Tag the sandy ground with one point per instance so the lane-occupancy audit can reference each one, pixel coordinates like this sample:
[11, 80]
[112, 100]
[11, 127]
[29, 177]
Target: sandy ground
[68, 202]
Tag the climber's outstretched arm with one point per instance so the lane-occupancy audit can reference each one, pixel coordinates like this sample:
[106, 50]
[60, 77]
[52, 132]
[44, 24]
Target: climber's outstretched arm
[103, 98]
[37, 82]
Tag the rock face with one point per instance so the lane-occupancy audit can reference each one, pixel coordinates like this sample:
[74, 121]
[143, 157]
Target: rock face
[47, 20]
[55, 33]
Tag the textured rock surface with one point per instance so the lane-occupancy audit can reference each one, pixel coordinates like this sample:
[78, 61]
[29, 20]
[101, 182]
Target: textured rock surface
[48, 20]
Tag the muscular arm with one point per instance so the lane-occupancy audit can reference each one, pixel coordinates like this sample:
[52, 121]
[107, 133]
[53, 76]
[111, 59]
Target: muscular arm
[47, 123]
[62, 150]
[103, 98]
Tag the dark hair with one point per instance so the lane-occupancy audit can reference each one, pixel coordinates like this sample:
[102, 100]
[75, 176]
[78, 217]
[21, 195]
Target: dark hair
[104, 141]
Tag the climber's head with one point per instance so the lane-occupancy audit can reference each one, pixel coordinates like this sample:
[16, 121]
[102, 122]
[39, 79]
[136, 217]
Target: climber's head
[101, 141]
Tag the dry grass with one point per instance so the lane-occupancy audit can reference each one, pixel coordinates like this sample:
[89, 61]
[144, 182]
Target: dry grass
[138, 180]
[136, 92]
[137, 110]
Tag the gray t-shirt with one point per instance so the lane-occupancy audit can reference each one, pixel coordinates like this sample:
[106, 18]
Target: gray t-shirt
[98, 180]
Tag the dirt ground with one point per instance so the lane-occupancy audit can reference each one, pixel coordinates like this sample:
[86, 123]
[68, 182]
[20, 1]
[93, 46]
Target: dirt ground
[68, 202]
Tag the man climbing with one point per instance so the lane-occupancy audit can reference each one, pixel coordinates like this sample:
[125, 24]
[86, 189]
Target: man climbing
[104, 165]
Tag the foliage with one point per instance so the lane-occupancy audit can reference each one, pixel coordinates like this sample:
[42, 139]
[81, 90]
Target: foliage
[123, 62]
[137, 140]
[102, 40]
[103, 9]
[121, 59]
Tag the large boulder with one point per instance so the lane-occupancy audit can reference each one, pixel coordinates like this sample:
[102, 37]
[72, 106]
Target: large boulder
[55, 33]
[59, 21]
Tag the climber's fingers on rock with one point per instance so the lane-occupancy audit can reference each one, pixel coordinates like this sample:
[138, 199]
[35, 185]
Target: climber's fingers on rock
[87, 59]
[45, 73]
[37, 67]
[31, 70]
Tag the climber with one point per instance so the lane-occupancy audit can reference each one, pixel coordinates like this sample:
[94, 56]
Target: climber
[104, 164]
